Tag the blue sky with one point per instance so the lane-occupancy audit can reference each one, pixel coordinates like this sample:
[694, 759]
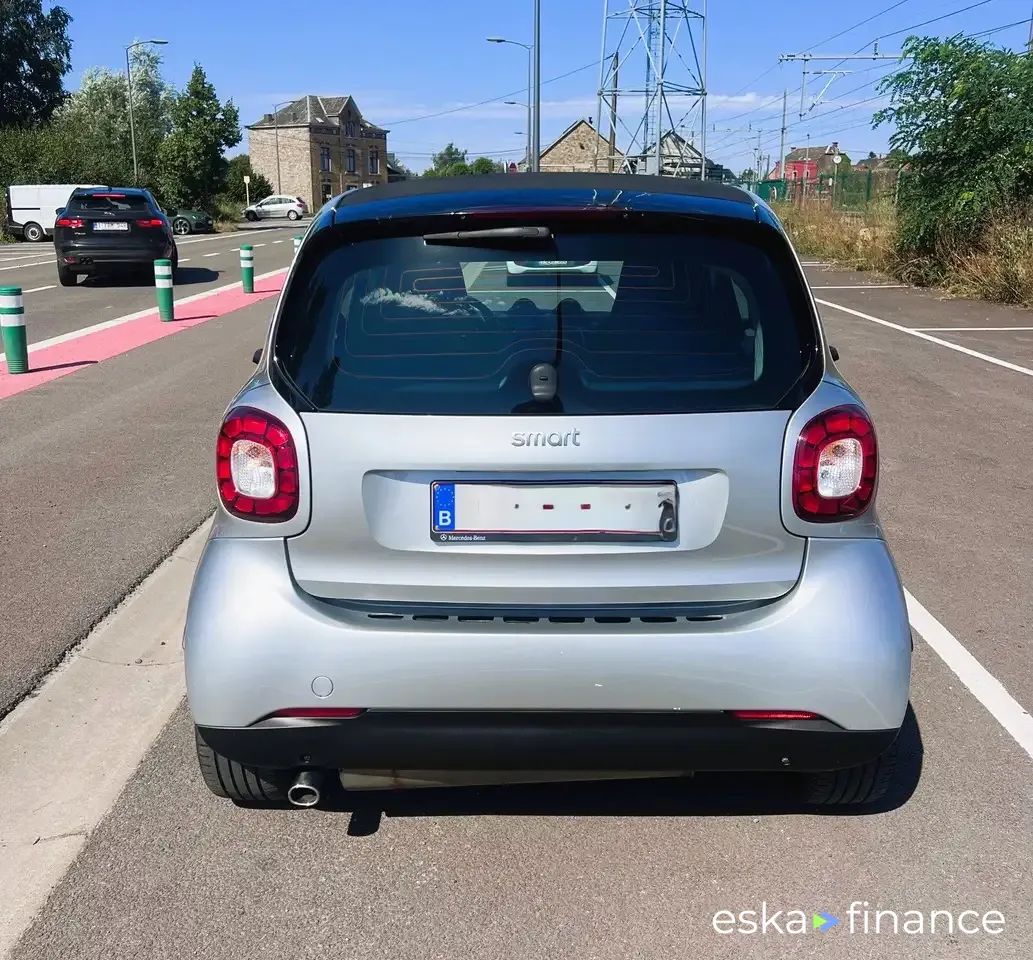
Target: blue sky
[402, 59]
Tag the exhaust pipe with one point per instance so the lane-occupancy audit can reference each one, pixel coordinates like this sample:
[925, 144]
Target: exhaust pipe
[305, 791]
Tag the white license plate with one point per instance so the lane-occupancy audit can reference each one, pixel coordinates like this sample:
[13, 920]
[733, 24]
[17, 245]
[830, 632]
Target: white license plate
[553, 512]
[114, 225]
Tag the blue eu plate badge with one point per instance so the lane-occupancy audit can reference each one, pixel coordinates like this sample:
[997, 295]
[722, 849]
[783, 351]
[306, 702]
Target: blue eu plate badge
[443, 507]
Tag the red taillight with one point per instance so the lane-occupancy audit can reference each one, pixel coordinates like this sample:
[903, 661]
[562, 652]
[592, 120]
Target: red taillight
[836, 466]
[774, 715]
[74, 222]
[256, 467]
[156, 222]
[320, 713]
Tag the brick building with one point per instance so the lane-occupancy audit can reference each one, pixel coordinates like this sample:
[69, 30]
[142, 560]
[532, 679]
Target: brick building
[317, 147]
[806, 164]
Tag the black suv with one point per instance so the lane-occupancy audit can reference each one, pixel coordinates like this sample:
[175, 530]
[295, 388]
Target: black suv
[111, 230]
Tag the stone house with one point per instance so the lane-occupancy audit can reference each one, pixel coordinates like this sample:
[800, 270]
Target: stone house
[317, 147]
[580, 148]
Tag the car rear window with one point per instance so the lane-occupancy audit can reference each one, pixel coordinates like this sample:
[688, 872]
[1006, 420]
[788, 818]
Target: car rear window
[108, 203]
[624, 322]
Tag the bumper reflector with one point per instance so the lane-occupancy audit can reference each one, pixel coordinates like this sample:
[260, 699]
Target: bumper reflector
[774, 715]
[320, 713]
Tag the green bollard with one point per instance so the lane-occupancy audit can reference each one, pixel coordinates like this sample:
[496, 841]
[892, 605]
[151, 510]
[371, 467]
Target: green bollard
[297, 245]
[247, 267]
[12, 325]
[163, 289]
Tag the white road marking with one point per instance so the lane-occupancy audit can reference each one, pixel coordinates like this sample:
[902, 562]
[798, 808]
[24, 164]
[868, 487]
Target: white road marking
[862, 286]
[214, 236]
[184, 259]
[20, 266]
[925, 336]
[255, 246]
[85, 732]
[218, 253]
[118, 321]
[277, 241]
[11, 258]
[969, 329]
[986, 688]
[38, 289]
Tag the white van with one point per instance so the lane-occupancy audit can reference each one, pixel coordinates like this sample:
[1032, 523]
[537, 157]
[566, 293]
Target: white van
[31, 208]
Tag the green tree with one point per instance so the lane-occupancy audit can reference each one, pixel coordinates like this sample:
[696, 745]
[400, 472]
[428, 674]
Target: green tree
[963, 113]
[486, 165]
[35, 54]
[97, 117]
[191, 161]
[450, 162]
[234, 189]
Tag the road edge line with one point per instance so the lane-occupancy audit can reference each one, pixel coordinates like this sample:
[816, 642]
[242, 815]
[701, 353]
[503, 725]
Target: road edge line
[982, 684]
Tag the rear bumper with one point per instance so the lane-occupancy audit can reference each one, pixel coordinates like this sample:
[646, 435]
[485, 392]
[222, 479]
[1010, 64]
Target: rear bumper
[838, 646]
[84, 259]
[462, 740]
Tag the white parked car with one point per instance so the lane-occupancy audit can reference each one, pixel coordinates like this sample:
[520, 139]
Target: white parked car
[293, 208]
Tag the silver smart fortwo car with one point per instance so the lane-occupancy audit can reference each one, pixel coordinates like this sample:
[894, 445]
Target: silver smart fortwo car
[483, 525]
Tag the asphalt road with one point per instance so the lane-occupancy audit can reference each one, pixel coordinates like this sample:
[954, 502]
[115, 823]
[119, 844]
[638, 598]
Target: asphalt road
[106, 469]
[206, 261]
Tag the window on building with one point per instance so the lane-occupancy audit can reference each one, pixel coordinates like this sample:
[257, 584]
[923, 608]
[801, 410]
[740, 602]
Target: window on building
[349, 128]
[328, 190]
[351, 159]
[374, 160]
[324, 159]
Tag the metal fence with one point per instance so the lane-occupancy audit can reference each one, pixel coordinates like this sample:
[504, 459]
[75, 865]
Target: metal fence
[843, 190]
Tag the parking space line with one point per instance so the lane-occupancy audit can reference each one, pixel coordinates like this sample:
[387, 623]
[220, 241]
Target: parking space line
[216, 254]
[184, 259]
[925, 336]
[969, 329]
[256, 245]
[277, 241]
[40, 289]
[986, 688]
[862, 286]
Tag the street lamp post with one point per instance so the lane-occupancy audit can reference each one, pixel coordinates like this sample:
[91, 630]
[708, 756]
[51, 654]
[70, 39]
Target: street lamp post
[532, 162]
[129, 81]
[276, 139]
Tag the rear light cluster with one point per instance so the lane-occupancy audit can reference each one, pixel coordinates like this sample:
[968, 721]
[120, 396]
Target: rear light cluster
[836, 466]
[256, 467]
[155, 222]
[74, 222]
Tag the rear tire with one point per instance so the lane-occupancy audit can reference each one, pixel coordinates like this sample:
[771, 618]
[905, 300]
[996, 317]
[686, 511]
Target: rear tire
[65, 276]
[33, 232]
[855, 786]
[293, 215]
[245, 786]
[181, 226]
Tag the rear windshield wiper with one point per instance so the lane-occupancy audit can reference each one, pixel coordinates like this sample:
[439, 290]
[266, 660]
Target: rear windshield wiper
[494, 235]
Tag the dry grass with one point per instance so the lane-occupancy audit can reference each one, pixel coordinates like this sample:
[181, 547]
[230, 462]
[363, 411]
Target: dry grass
[999, 267]
[856, 240]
